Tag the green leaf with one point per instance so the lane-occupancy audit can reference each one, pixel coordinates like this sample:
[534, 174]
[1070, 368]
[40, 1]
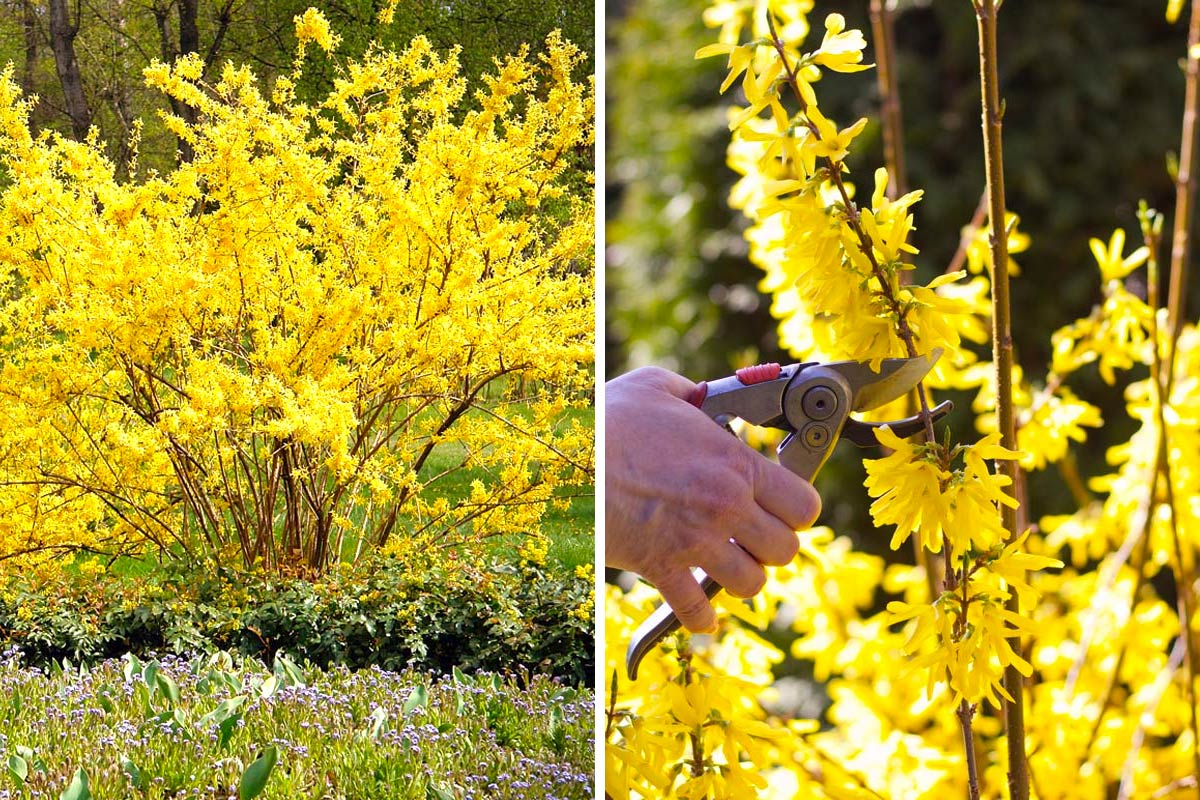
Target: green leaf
[255, 776]
[78, 788]
[225, 709]
[417, 699]
[564, 695]
[233, 681]
[18, 768]
[460, 677]
[141, 694]
[104, 697]
[287, 672]
[226, 728]
[220, 660]
[135, 774]
[132, 666]
[434, 792]
[150, 677]
[268, 686]
[168, 687]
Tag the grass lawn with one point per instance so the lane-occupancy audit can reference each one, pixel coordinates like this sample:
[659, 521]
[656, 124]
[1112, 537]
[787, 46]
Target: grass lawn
[571, 530]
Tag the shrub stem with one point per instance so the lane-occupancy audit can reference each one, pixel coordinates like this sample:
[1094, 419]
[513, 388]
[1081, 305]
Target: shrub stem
[889, 96]
[1002, 346]
[1185, 193]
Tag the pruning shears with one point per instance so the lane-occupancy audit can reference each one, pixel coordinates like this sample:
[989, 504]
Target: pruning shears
[811, 402]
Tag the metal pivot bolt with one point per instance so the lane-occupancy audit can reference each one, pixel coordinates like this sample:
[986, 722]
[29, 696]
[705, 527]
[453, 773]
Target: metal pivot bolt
[820, 402]
[816, 435]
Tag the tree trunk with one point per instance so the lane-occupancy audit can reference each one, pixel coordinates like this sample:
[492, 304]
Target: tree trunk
[189, 30]
[62, 41]
[29, 27]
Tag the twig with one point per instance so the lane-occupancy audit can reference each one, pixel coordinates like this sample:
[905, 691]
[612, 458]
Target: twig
[889, 95]
[1185, 192]
[854, 220]
[1069, 470]
[883, 34]
[968, 234]
[965, 712]
[1002, 346]
[1188, 782]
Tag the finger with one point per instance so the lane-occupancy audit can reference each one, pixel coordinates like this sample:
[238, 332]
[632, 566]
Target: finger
[736, 570]
[767, 538]
[663, 380]
[685, 597]
[785, 495]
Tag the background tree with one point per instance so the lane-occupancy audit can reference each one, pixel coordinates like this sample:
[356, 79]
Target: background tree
[64, 27]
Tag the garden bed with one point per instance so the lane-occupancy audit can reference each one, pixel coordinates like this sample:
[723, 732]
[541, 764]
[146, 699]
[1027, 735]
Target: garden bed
[196, 727]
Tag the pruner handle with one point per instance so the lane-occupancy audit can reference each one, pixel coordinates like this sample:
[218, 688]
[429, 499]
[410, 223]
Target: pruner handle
[802, 456]
[661, 624]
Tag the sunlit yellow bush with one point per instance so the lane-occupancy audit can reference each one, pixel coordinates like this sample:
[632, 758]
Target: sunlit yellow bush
[283, 348]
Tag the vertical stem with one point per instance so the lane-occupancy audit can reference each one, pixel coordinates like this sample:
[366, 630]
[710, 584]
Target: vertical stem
[985, 13]
[1185, 193]
[965, 713]
[883, 35]
[889, 95]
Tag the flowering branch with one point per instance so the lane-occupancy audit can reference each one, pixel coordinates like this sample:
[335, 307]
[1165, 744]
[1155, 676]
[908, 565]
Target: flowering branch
[854, 220]
[1160, 385]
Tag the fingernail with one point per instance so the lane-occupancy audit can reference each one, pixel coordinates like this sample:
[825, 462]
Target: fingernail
[815, 497]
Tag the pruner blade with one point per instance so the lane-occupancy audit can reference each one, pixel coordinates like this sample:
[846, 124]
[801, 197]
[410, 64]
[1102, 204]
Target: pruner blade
[894, 378]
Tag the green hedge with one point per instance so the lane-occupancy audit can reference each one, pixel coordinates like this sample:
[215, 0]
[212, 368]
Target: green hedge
[496, 617]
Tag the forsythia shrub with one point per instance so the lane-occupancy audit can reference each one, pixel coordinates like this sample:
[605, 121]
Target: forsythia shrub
[1105, 668]
[280, 349]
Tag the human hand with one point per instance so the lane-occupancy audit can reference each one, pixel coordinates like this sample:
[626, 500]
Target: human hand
[678, 488]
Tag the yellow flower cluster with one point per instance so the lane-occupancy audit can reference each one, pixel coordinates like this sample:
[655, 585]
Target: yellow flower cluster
[311, 26]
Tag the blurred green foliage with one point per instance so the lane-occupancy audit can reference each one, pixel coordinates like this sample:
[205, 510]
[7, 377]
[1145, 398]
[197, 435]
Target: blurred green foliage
[117, 39]
[1094, 99]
